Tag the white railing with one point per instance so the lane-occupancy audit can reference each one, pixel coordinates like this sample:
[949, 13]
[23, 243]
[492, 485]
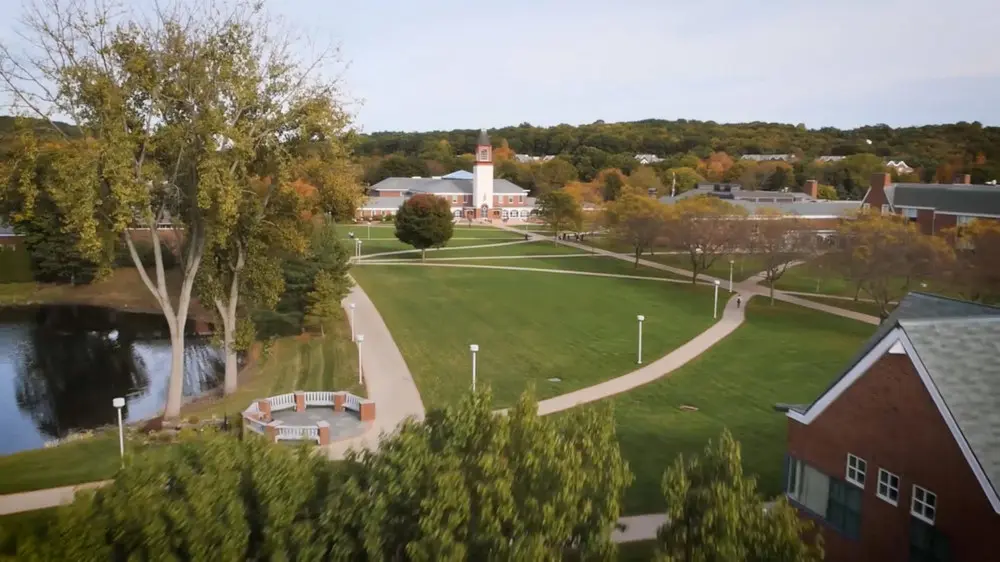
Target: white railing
[254, 425]
[319, 399]
[352, 402]
[282, 401]
[298, 433]
[252, 409]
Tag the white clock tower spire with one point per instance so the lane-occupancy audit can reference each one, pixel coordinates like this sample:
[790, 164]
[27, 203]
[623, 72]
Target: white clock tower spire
[482, 176]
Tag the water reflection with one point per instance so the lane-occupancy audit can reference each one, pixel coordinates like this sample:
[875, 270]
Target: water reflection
[62, 366]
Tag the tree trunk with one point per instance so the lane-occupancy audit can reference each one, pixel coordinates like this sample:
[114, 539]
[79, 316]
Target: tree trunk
[770, 286]
[227, 312]
[175, 387]
[638, 252]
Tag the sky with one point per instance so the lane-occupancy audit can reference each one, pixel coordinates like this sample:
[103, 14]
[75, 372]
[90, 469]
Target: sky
[443, 64]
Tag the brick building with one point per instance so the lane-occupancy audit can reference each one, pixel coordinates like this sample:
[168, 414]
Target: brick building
[475, 195]
[934, 206]
[899, 460]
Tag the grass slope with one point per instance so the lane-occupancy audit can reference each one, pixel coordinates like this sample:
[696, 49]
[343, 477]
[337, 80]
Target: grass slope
[744, 266]
[530, 326]
[536, 248]
[87, 460]
[590, 263]
[783, 353]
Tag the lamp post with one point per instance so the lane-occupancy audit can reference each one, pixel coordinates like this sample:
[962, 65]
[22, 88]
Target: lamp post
[119, 403]
[360, 338]
[352, 306]
[731, 275]
[640, 318]
[357, 245]
[369, 230]
[715, 309]
[473, 348]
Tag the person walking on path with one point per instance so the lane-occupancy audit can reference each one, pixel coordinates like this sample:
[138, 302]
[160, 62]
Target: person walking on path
[739, 301]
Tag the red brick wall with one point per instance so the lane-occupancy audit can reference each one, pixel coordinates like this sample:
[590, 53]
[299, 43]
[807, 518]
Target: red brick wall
[925, 220]
[876, 190]
[942, 222]
[888, 418]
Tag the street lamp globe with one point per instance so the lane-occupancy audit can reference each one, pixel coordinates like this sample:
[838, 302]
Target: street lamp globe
[118, 402]
[640, 318]
[473, 347]
[360, 338]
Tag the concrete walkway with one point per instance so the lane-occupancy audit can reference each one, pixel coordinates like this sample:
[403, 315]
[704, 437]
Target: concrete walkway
[41, 499]
[638, 527]
[445, 249]
[514, 268]
[386, 376]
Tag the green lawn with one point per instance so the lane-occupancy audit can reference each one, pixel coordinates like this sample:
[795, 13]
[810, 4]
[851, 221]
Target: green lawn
[784, 353]
[637, 551]
[530, 326]
[591, 263]
[293, 363]
[744, 266]
[862, 306]
[87, 460]
[379, 245]
[536, 248]
[805, 279]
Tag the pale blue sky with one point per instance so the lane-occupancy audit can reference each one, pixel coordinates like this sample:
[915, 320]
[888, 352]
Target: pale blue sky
[442, 64]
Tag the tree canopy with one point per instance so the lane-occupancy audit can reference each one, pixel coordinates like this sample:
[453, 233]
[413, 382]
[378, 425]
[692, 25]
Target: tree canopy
[424, 221]
[560, 211]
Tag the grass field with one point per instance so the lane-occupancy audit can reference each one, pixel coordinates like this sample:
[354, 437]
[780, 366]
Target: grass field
[637, 551]
[535, 248]
[862, 306]
[783, 353]
[530, 326]
[310, 363]
[590, 263]
[87, 460]
[744, 266]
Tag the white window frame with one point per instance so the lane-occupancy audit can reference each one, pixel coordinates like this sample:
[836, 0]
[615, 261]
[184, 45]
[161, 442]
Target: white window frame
[885, 209]
[855, 466]
[885, 479]
[920, 507]
[910, 213]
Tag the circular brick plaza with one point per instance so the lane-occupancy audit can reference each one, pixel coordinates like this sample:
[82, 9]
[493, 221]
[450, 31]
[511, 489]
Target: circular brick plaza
[320, 417]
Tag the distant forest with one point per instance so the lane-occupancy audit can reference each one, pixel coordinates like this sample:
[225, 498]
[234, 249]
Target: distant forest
[603, 154]
[697, 151]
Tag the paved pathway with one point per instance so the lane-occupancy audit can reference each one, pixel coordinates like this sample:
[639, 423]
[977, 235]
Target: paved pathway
[513, 268]
[445, 249]
[386, 376]
[40, 499]
[638, 527]
[521, 257]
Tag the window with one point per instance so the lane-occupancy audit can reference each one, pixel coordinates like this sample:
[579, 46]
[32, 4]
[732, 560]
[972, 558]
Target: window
[510, 198]
[888, 486]
[836, 501]
[844, 510]
[484, 154]
[885, 209]
[856, 467]
[963, 220]
[454, 198]
[927, 543]
[910, 214]
[923, 504]
[808, 486]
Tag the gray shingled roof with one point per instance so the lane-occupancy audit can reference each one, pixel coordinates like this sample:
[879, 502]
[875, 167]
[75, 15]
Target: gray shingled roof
[444, 185]
[948, 198]
[805, 208]
[962, 357]
[383, 203]
[958, 342]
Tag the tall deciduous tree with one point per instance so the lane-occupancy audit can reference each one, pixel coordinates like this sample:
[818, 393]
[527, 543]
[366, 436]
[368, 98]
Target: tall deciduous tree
[705, 228]
[424, 221]
[560, 211]
[778, 240]
[977, 267]
[179, 109]
[886, 254]
[552, 174]
[637, 220]
[715, 513]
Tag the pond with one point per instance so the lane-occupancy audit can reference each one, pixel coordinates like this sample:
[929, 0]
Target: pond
[61, 366]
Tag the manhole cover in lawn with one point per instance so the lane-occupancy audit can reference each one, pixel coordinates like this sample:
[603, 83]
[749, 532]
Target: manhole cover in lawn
[555, 379]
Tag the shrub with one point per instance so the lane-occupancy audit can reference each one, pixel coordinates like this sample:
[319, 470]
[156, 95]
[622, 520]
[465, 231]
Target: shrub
[15, 265]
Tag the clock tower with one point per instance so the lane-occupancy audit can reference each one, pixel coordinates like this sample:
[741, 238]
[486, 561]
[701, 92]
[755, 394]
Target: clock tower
[482, 176]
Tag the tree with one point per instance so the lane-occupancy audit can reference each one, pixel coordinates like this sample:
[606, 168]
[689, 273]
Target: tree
[323, 302]
[637, 220]
[552, 174]
[611, 182]
[682, 179]
[179, 110]
[885, 254]
[778, 240]
[464, 484]
[470, 485]
[705, 227]
[646, 181]
[715, 513]
[424, 221]
[977, 267]
[827, 192]
[560, 211]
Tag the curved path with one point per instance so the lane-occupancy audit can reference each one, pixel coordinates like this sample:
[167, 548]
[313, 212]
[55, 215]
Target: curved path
[445, 249]
[515, 268]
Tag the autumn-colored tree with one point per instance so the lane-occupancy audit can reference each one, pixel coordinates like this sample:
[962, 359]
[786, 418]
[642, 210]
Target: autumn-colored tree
[826, 192]
[884, 255]
[715, 167]
[179, 110]
[636, 220]
[778, 240]
[679, 180]
[715, 513]
[646, 181]
[560, 211]
[705, 228]
[977, 266]
[503, 152]
[584, 192]
[551, 175]
[424, 221]
[611, 181]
